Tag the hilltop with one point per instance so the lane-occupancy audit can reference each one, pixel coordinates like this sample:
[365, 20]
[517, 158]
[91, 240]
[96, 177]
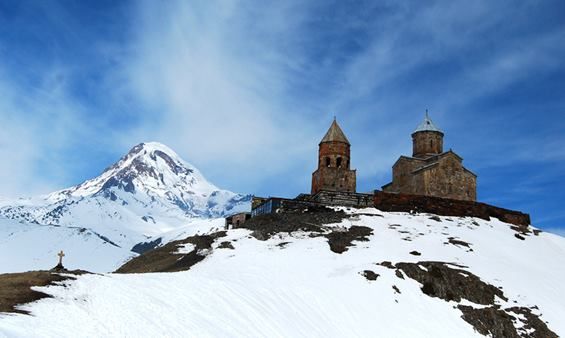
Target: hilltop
[343, 272]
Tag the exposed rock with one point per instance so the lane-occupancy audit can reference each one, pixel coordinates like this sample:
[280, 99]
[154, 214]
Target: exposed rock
[167, 258]
[399, 274]
[448, 283]
[226, 245]
[386, 264]
[458, 242]
[415, 253]
[440, 280]
[146, 246]
[489, 321]
[59, 268]
[370, 275]
[533, 322]
[283, 245]
[519, 237]
[499, 323]
[312, 220]
[340, 241]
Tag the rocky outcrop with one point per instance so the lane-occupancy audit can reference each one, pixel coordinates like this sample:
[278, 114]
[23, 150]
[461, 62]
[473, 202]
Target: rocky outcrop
[169, 258]
[310, 219]
[442, 280]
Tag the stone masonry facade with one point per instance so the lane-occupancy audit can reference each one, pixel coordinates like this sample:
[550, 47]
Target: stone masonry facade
[431, 171]
[334, 172]
[431, 180]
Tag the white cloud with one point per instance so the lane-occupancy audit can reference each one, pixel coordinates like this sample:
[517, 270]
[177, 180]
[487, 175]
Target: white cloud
[212, 80]
[45, 133]
[245, 90]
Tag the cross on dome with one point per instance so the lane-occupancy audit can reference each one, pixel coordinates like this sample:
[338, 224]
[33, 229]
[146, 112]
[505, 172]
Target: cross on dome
[427, 125]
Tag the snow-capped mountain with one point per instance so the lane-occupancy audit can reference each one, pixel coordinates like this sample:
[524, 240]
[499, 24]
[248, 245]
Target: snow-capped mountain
[149, 191]
[364, 273]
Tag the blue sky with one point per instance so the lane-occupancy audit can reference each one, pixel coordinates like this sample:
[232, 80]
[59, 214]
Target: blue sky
[244, 90]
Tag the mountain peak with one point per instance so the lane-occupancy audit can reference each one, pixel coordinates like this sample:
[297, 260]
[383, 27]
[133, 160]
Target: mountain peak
[149, 166]
[152, 147]
[149, 190]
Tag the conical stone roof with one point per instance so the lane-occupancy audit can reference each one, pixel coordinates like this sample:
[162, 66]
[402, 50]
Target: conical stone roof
[427, 125]
[335, 134]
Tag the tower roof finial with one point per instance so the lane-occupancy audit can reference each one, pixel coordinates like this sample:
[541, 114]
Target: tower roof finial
[335, 134]
[427, 125]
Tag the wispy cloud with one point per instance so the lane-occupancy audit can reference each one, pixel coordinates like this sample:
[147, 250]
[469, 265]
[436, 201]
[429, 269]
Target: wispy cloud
[246, 89]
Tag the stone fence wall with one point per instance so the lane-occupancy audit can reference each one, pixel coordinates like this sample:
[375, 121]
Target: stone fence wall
[341, 198]
[392, 202]
[446, 207]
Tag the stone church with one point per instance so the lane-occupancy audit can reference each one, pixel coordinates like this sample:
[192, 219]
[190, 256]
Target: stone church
[334, 172]
[431, 171]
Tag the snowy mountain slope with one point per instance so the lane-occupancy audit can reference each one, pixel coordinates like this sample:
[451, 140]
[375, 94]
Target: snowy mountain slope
[149, 191]
[294, 285]
[25, 246]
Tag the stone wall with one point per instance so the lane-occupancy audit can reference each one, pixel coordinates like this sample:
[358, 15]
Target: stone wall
[333, 171]
[449, 179]
[333, 151]
[428, 143]
[343, 199]
[402, 178]
[335, 179]
[440, 176]
[446, 207]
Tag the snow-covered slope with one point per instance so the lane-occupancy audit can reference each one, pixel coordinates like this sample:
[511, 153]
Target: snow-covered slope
[25, 247]
[293, 285]
[149, 191]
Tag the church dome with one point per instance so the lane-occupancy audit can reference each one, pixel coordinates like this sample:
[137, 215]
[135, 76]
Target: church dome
[427, 125]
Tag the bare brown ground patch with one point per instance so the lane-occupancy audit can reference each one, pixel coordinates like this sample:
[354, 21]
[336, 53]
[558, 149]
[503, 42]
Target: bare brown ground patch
[167, 258]
[15, 288]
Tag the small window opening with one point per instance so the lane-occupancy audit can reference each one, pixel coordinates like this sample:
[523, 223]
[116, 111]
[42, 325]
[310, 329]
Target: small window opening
[327, 161]
[338, 162]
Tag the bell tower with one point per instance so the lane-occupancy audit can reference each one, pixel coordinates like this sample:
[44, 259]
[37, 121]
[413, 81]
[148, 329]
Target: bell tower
[427, 139]
[334, 173]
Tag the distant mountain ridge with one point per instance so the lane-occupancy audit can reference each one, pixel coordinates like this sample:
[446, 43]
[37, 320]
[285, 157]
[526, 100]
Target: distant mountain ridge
[149, 191]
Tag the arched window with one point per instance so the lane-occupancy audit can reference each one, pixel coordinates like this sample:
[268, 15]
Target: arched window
[432, 144]
[338, 162]
[327, 162]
